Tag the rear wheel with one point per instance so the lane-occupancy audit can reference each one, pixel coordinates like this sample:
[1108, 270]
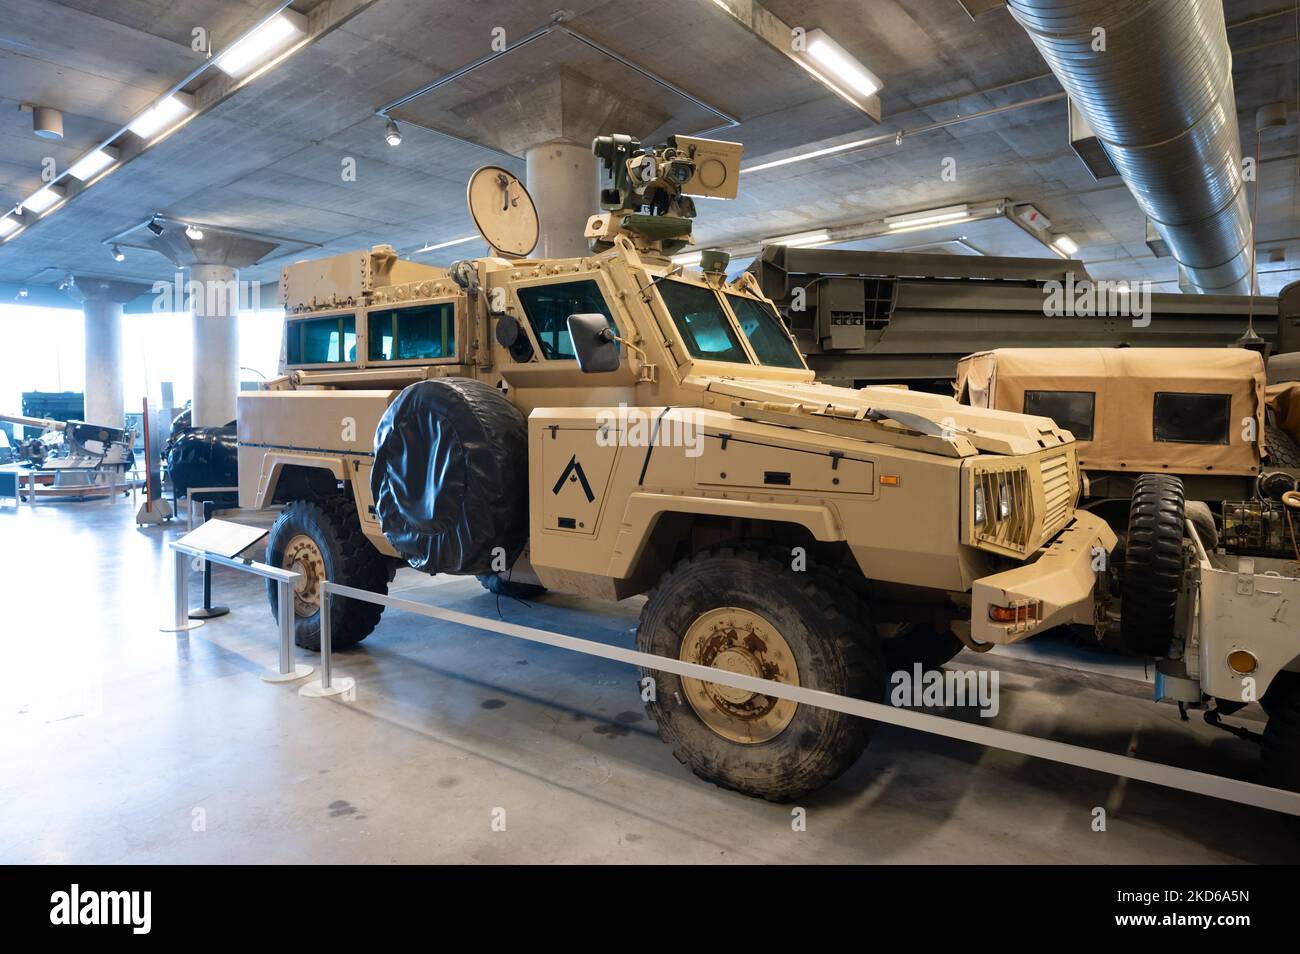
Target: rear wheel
[1153, 565]
[745, 611]
[321, 540]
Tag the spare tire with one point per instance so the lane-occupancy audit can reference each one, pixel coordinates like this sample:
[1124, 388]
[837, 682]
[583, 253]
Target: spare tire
[450, 480]
[1153, 564]
[1280, 447]
[204, 457]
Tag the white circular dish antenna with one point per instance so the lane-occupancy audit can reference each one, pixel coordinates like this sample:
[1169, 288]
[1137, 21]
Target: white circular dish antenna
[503, 211]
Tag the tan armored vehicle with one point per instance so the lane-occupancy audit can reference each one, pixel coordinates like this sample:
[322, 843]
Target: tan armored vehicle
[616, 424]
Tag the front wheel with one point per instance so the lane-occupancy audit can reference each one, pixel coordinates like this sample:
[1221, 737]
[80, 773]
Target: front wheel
[746, 612]
[1280, 750]
[321, 539]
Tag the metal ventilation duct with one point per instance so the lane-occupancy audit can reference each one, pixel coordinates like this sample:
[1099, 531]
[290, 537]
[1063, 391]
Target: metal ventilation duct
[1159, 96]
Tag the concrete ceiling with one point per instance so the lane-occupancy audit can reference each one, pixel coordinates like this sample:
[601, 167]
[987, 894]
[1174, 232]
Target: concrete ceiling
[268, 159]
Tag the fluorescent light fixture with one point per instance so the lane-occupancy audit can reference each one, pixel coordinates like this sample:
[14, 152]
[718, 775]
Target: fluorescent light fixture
[161, 115]
[843, 69]
[913, 220]
[42, 199]
[93, 163]
[1065, 245]
[8, 224]
[459, 241]
[802, 239]
[261, 44]
[688, 259]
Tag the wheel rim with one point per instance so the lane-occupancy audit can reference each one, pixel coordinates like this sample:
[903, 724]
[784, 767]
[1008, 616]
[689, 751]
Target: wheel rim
[740, 641]
[304, 557]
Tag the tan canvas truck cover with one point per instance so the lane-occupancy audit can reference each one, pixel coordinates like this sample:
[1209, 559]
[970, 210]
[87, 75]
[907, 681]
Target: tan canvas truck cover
[1124, 386]
[1284, 402]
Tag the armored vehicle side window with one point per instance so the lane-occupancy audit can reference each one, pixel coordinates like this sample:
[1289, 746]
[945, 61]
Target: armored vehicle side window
[404, 334]
[702, 323]
[322, 340]
[765, 332]
[1192, 418]
[1072, 410]
[548, 308]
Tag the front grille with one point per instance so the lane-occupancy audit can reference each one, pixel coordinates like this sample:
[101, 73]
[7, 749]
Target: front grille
[1058, 493]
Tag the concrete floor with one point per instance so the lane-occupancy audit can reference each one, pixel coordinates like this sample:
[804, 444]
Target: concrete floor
[119, 743]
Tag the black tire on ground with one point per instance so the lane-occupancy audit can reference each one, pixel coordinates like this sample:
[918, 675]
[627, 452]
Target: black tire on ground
[1280, 447]
[830, 651]
[1153, 564]
[1280, 751]
[919, 643]
[498, 584]
[349, 559]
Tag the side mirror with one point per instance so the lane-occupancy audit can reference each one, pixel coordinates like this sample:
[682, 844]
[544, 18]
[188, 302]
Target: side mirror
[594, 343]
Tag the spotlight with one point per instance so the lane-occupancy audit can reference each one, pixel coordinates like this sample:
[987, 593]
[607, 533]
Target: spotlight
[118, 254]
[155, 226]
[194, 232]
[393, 134]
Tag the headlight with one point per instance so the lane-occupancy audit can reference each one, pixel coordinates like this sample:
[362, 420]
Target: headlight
[1002, 511]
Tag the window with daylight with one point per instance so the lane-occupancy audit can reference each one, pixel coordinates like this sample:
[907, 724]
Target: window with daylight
[548, 308]
[322, 340]
[403, 334]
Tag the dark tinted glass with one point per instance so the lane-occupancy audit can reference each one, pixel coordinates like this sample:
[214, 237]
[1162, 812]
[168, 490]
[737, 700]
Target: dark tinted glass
[1192, 418]
[1072, 410]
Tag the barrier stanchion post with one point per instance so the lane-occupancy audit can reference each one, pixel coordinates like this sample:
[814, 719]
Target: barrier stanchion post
[324, 686]
[207, 610]
[284, 609]
[181, 596]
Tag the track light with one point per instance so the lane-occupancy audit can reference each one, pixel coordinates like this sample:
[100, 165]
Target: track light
[154, 226]
[392, 133]
[194, 233]
[118, 254]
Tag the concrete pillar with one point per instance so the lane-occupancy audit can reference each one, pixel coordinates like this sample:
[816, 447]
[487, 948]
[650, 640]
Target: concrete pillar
[563, 181]
[214, 307]
[104, 400]
[101, 304]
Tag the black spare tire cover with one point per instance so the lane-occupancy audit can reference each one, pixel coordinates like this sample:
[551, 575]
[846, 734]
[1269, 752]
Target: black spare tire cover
[204, 457]
[450, 481]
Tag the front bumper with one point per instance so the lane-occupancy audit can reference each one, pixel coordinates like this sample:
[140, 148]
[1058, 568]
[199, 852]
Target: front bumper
[1054, 589]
